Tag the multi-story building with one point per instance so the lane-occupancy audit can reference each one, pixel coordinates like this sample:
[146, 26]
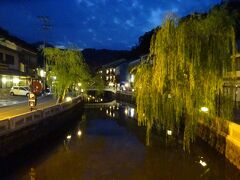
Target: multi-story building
[17, 63]
[120, 74]
[132, 67]
[233, 87]
[109, 73]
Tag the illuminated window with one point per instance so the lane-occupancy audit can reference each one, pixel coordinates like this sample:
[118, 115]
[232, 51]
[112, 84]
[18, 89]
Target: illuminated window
[132, 78]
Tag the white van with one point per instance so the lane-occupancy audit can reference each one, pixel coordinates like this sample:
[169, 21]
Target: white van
[20, 90]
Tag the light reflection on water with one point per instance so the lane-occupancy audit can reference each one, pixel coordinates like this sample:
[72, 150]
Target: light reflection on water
[107, 144]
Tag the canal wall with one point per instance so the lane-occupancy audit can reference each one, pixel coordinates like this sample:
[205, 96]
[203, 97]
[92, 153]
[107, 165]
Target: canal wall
[19, 131]
[222, 135]
[122, 97]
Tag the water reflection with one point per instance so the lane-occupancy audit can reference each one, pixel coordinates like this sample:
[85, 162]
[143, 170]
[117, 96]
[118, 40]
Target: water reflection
[106, 143]
[203, 163]
[130, 111]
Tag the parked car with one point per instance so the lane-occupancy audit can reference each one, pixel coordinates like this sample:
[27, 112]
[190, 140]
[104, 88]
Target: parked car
[20, 90]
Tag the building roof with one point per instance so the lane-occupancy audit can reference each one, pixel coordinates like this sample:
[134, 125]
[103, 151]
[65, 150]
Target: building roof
[5, 37]
[113, 64]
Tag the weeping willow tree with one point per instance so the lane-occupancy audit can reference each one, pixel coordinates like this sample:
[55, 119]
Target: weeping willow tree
[69, 68]
[186, 66]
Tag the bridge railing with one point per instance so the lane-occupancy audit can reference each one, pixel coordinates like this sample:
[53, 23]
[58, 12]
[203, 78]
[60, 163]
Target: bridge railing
[113, 90]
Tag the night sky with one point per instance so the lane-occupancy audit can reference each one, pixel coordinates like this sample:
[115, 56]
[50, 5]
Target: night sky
[111, 24]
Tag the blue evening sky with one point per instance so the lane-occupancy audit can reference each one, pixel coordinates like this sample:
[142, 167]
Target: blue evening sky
[112, 24]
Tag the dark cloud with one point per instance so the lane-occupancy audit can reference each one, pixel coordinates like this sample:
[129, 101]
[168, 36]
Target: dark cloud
[114, 24]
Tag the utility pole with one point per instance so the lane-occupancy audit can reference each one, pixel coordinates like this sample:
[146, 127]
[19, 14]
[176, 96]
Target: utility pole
[46, 27]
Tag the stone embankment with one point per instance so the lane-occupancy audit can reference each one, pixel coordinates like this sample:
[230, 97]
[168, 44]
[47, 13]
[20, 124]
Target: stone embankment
[21, 130]
[222, 135]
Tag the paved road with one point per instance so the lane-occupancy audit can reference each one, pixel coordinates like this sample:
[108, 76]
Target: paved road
[12, 100]
[14, 110]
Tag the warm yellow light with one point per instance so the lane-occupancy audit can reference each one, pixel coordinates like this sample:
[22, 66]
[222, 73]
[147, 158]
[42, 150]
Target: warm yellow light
[79, 133]
[16, 80]
[126, 111]
[169, 132]
[68, 99]
[81, 90]
[42, 73]
[132, 78]
[132, 112]
[79, 84]
[203, 163]
[111, 84]
[204, 109]
[4, 80]
[69, 137]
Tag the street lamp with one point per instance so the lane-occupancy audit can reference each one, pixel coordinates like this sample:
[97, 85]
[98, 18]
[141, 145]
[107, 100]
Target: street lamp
[204, 109]
[68, 99]
[42, 73]
[169, 132]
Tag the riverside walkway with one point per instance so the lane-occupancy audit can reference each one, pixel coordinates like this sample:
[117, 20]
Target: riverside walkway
[9, 111]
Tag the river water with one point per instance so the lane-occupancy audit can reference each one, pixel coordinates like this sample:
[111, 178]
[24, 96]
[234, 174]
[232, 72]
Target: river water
[106, 143]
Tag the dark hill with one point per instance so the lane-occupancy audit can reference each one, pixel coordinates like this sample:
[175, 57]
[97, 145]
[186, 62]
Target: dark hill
[97, 58]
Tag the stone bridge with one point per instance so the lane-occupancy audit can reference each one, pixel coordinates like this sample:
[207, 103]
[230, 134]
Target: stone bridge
[113, 90]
